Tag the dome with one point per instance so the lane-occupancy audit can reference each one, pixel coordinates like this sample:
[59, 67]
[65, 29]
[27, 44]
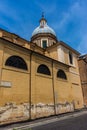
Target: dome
[43, 28]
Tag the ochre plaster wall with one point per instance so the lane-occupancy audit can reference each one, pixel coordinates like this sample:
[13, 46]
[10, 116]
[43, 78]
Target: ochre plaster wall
[19, 79]
[83, 75]
[47, 95]
[19, 90]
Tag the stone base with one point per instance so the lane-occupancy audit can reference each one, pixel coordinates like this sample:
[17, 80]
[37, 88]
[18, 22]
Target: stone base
[13, 113]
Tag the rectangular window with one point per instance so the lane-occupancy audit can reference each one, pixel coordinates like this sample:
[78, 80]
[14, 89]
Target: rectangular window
[70, 58]
[44, 44]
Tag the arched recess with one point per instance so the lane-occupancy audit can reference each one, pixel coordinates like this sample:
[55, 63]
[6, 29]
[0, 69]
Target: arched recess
[61, 74]
[17, 62]
[43, 69]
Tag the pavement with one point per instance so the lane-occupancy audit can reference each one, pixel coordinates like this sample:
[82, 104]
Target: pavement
[43, 121]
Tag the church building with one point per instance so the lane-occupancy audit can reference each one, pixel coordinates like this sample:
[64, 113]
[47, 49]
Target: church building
[38, 78]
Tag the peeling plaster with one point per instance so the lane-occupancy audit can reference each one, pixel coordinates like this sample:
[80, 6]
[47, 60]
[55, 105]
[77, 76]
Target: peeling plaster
[11, 112]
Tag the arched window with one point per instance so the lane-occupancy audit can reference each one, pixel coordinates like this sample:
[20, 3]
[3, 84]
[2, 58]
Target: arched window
[61, 74]
[43, 69]
[17, 62]
[70, 58]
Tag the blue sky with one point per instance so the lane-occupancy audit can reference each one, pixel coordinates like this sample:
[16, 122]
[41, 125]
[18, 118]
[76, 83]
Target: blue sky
[67, 17]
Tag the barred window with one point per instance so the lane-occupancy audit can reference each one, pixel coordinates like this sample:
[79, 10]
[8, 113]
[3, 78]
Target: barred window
[43, 69]
[17, 62]
[61, 74]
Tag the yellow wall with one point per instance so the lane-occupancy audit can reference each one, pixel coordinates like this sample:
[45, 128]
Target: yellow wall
[29, 85]
[19, 91]
[62, 86]
[73, 85]
[42, 90]
[19, 79]
[52, 53]
[41, 85]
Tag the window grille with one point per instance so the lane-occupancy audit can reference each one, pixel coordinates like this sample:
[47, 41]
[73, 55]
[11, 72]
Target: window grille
[61, 74]
[43, 69]
[17, 62]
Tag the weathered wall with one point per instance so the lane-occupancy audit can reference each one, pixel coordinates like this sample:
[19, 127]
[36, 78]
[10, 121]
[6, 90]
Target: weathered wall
[14, 97]
[62, 91]
[47, 95]
[12, 112]
[41, 91]
[76, 88]
[83, 75]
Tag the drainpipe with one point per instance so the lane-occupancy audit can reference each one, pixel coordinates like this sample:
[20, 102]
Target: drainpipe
[53, 89]
[30, 86]
[1, 66]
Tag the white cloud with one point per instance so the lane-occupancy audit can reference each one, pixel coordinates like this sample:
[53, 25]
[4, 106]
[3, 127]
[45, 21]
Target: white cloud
[78, 16]
[74, 11]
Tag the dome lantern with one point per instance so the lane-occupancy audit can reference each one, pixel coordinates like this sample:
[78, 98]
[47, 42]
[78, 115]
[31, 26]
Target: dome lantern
[43, 21]
[44, 36]
[43, 28]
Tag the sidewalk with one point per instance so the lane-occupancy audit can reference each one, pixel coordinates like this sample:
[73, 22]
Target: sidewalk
[43, 121]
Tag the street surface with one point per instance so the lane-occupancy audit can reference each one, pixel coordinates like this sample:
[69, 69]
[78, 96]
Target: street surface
[75, 123]
[72, 121]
